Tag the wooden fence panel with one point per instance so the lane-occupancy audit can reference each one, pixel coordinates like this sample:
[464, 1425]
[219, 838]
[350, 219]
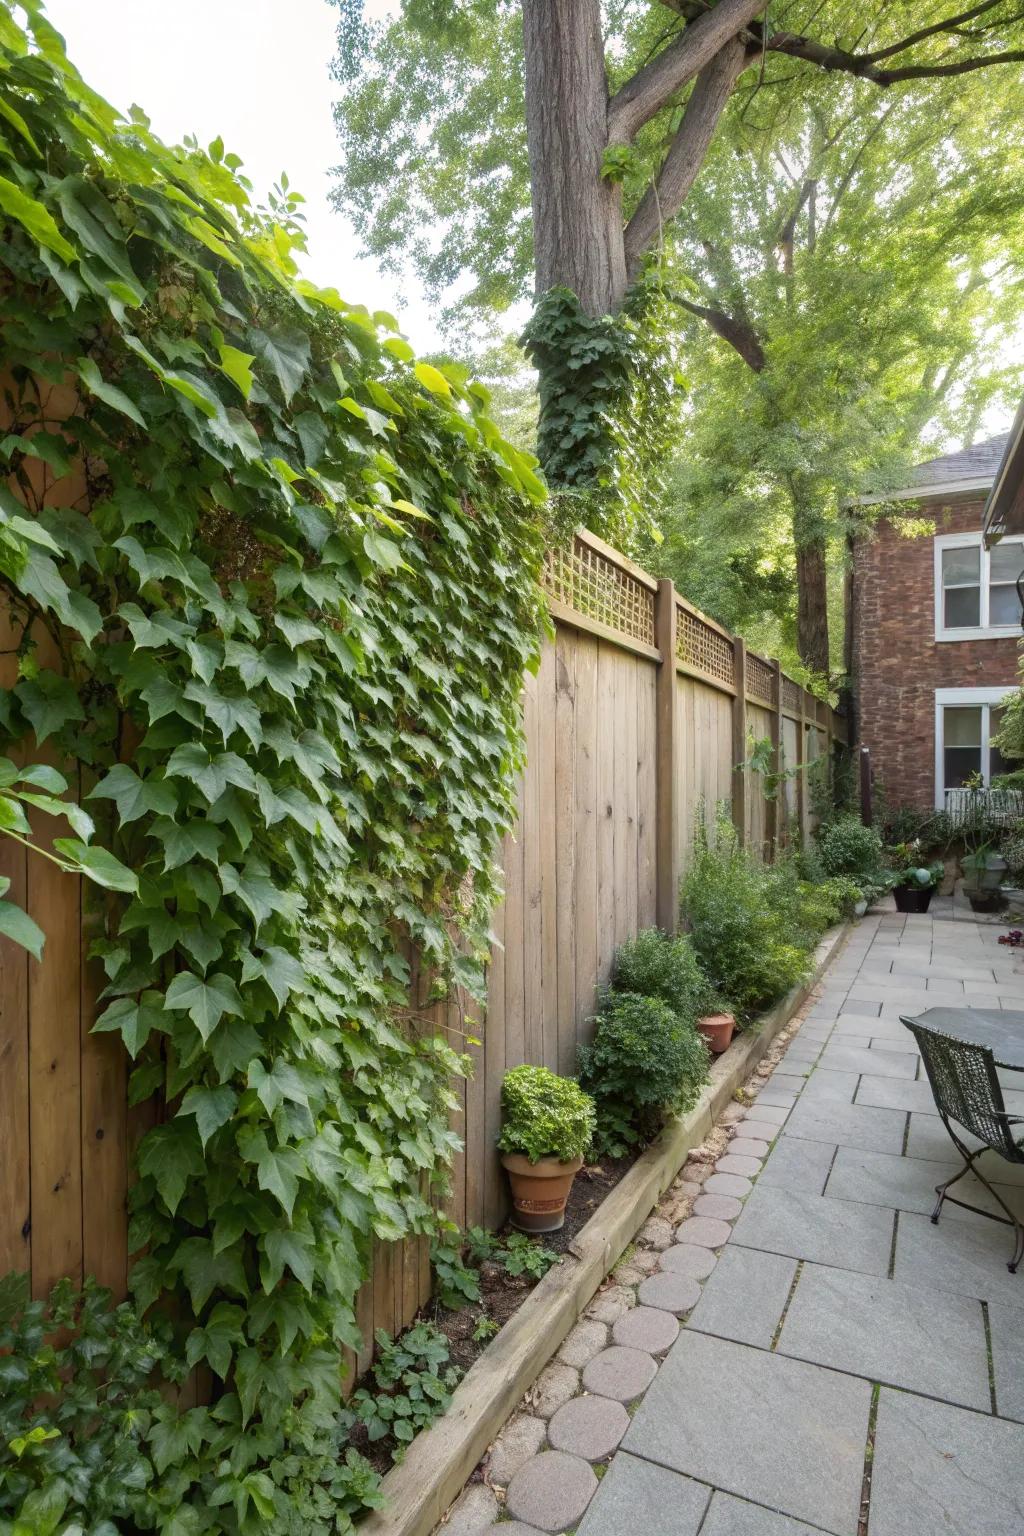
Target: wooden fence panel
[581, 872]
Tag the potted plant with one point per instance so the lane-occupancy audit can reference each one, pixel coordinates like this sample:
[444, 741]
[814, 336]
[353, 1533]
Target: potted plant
[548, 1125]
[653, 964]
[913, 883]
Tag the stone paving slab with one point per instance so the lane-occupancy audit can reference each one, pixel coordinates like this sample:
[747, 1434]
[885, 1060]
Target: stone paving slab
[638, 1496]
[1006, 1328]
[909, 1184]
[958, 1256]
[729, 1516]
[849, 1125]
[808, 1226]
[942, 1471]
[745, 1297]
[758, 1425]
[830, 1086]
[840, 1057]
[891, 1093]
[800, 1165]
[914, 1337]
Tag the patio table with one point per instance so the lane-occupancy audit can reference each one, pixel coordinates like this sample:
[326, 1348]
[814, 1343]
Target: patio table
[1000, 1029]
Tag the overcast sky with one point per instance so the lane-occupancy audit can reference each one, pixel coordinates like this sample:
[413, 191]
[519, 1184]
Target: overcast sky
[257, 73]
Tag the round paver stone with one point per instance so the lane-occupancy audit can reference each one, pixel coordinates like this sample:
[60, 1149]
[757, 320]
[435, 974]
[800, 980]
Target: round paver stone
[729, 1184]
[721, 1207]
[551, 1491]
[590, 1427]
[620, 1373]
[521, 1438]
[759, 1129]
[732, 1163]
[705, 1231]
[555, 1385]
[585, 1341]
[475, 1512]
[517, 1528]
[688, 1259]
[649, 1328]
[748, 1146]
[671, 1292]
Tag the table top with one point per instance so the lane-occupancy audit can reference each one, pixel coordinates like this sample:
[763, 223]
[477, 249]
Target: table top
[1001, 1029]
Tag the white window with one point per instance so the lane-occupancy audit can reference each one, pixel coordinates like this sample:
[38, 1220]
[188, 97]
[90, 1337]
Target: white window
[966, 719]
[976, 588]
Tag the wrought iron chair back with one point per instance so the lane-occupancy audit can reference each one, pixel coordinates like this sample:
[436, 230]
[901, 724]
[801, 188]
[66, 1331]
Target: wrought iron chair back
[967, 1088]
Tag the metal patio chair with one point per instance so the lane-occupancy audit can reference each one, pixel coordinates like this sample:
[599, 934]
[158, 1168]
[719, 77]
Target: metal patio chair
[968, 1092]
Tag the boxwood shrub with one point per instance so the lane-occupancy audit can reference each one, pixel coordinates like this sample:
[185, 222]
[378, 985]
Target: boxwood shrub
[645, 1061]
[545, 1115]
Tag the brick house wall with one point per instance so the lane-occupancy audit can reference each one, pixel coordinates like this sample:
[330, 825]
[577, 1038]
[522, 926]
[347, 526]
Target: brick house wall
[897, 664]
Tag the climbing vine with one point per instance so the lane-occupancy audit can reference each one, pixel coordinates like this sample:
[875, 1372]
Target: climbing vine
[609, 393]
[272, 586]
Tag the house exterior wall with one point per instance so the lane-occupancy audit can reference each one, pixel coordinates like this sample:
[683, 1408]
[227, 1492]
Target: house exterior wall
[897, 663]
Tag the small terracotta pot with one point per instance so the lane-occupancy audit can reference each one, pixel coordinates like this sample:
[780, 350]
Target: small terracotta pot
[539, 1190]
[717, 1030]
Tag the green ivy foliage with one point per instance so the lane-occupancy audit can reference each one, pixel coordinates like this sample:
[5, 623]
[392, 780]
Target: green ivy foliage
[290, 576]
[608, 407]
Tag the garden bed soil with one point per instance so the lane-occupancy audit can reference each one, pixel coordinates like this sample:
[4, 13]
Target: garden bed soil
[504, 1294]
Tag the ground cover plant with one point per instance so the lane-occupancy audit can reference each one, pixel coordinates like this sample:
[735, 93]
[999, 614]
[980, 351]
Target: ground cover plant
[273, 587]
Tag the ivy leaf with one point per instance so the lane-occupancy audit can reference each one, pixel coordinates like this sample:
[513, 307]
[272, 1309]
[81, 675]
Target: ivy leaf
[134, 796]
[232, 1047]
[171, 1154]
[206, 1271]
[95, 223]
[236, 365]
[48, 702]
[286, 353]
[193, 762]
[273, 1087]
[184, 842]
[19, 927]
[216, 1341]
[100, 866]
[212, 1107]
[205, 1002]
[133, 1019]
[431, 378]
[35, 219]
[293, 1249]
[94, 381]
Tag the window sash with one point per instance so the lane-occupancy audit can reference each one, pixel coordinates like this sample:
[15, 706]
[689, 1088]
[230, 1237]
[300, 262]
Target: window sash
[959, 758]
[988, 584]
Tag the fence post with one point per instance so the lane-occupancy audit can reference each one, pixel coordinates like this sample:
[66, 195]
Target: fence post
[666, 811]
[801, 779]
[775, 808]
[740, 778]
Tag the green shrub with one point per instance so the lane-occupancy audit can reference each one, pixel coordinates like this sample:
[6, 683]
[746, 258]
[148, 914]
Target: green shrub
[645, 1061]
[545, 1115]
[848, 847]
[751, 925]
[654, 964]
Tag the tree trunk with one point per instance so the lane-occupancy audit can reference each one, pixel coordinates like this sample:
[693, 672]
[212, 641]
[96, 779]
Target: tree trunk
[577, 216]
[812, 604]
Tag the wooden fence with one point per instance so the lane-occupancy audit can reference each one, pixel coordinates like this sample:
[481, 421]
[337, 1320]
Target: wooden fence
[640, 712]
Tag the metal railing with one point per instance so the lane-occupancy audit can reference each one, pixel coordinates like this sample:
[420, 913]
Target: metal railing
[968, 805]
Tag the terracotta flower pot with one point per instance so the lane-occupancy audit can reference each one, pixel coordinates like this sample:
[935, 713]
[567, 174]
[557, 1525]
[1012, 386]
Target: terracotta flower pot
[539, 1190]
[717, 1030]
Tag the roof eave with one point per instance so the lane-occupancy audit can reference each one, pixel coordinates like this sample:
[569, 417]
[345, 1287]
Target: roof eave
[948, 490]
[1004, 509]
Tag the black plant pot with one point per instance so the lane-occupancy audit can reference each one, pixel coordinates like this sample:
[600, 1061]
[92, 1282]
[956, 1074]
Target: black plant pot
[911, 898]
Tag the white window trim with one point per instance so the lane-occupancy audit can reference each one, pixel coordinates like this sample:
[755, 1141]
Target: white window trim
[969, 696]
[983, 631]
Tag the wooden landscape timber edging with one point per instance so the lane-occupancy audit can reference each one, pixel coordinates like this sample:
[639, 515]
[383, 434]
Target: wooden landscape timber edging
[438, 1462]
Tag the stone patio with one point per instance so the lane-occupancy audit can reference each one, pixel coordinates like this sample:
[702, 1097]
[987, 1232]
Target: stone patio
[808, 1354]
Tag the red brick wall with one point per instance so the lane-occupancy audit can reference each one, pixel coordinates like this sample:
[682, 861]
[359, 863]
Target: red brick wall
[897, 664]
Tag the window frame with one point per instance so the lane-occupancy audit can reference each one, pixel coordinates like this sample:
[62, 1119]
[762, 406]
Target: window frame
[984, 630]
[986, 699]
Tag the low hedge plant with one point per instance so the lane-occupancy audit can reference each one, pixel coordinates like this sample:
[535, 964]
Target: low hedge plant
[644, 1063]
[656, 964]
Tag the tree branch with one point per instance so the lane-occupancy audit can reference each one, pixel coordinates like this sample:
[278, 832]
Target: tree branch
[667, 192]
[740, 337]
[657, 82]
[949, 25]
[826, 58]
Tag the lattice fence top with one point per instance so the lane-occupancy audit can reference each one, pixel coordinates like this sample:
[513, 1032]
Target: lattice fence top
[760, 679]
[588, 582]
[702, 646]
[792, 696]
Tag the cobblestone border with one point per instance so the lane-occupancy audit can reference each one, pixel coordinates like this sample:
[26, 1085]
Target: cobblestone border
[607, 1345]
